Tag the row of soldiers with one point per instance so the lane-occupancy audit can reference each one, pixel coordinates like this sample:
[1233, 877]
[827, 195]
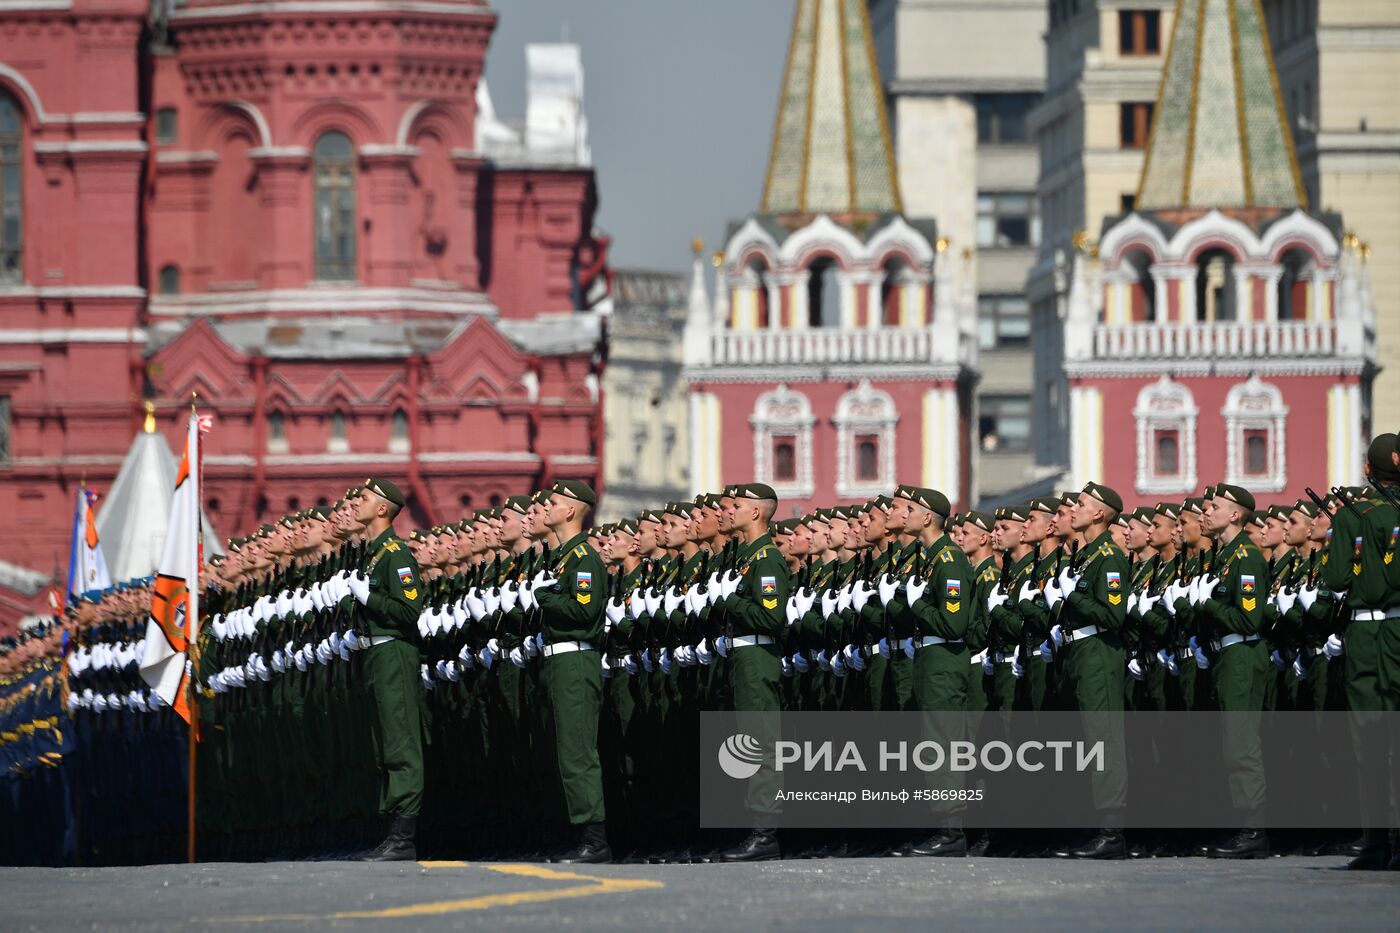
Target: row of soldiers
[541, 674]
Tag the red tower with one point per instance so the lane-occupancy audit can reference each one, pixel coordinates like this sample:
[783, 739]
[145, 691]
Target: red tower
[292, 211]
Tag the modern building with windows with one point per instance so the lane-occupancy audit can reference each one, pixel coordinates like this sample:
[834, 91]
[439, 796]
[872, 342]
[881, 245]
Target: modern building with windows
[837, 357]
[962, 78]
[1222, 328]
[309, 215]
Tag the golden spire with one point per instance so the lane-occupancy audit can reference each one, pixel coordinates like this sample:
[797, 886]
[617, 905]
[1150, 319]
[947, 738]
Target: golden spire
[150, 426]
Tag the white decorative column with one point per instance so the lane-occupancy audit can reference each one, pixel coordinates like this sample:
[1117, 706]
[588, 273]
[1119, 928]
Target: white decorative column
[1244, 294]
[1160, 293]
[1345, 445]
[1085, 435]
[940, 441]
[913, 305]
[1271, 275]
[705, 439]
[795, 285]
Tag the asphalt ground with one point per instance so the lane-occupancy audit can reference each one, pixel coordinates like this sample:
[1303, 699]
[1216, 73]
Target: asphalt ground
[1281, 893]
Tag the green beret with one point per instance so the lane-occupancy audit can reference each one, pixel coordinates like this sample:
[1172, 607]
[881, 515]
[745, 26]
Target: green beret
[648, 515]
[519, 504]
[1142, 514]
[1308, 508]
[956, 519]
[1069, 498]
[1195, 504]
[627, 526]
[881, 502]
[1105, 495]
[1236, 494]
[386, 490]
[1259, 518]
[1047, 504]
[322, 512]
[1169, 509]
[979, 519]
[1281, 512]
[1016, 513]
[1378, 457]
[679, 509]
[575, 489]
[751, 491]
[783, 527]
[931, 499]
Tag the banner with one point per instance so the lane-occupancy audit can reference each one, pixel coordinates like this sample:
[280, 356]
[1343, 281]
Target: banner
[87, 568]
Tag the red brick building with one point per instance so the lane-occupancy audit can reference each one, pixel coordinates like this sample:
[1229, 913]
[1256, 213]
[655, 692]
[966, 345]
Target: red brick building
[297, 211]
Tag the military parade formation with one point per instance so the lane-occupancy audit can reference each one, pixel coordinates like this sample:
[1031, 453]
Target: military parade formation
[521, 683]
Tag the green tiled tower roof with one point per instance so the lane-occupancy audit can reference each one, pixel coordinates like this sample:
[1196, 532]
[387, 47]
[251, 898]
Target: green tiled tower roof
[831, 145]
[1220, 138]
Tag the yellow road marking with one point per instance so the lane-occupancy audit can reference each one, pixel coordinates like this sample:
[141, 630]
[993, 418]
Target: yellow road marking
[593, 885]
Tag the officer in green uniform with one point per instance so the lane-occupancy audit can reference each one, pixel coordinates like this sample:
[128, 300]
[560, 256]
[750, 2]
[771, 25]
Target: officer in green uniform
[572, 599]
[754, 598]
[1092, 595]
[390, 590]
[1232, 600]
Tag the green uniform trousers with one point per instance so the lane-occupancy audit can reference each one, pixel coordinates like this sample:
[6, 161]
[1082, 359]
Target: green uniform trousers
[392, 672]
[573, 684]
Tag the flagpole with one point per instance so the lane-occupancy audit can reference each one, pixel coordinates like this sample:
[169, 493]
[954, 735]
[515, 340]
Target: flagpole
[192, 623]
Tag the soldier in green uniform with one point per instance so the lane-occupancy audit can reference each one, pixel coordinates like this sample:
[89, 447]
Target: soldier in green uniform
[754, 598]
[389, 589]
[571, 597]
[1231, 600]
[1093, 595]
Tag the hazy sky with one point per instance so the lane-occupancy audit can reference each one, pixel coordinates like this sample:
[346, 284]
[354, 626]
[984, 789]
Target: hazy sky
[680, 98]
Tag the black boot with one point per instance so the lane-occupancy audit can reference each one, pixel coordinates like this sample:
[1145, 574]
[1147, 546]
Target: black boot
[761, 846]
[945, 842]
[1108, 844]
[1374, 854]
[398, 845]
[592, 847]
[1247, 843]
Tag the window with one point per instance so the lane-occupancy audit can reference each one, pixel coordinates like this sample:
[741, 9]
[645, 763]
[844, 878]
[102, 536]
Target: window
[169, 280]
[1255, 417]
[1004, 423]
[4, 429]
[823, 294]
[758, 277]
[1139, 32]
[1166, 438]
[11, 194]
[398, 431]
[1007, 219]
[1003, 321]
[338, 442]
[867, 457]
[784, 460]
[276, 433]
[1167, 447]
[782, 441]
[1001, 118]
[167, 125]
[335, 207]
[1134, 124]
[891, 289]
[1215, 286]
[1298, 267]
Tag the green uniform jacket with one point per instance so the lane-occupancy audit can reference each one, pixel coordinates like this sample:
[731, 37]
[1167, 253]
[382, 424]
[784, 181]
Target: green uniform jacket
[396, 590]
[1236, 605]
[946, 608]
[759, 605]
[1101, 598]
[573, 606]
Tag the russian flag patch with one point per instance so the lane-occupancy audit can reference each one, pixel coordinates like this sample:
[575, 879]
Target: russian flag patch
[585, 580]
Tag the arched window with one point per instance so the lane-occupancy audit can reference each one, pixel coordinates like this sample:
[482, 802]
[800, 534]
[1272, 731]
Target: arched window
[891, 290]
[758, 273]
[11, 193]
[276, 433]
[1297, 266]
[1254, 436]
[1166, 438]
[169, 280]
[823, 293]
[398, 431]
[1136, 264]
[338, 441]
[782, 441]
[1215, 286]
[865, 420]
[335, 207]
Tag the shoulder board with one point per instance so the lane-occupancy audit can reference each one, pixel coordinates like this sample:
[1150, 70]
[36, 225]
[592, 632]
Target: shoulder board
[1106, 549]
[581, 551]
[946, 555]
[391, 545]
[762, 553]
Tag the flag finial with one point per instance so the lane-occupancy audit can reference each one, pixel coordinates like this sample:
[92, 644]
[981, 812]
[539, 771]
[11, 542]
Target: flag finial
[150, 425]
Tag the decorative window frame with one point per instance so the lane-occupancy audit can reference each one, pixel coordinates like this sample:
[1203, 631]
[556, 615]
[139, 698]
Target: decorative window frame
[1255, 405]
[861, 411]
[783, 412]
[1165, 405]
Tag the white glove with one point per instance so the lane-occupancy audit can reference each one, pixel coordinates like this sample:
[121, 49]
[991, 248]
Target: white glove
[730, 584]
[653, 600]
[854, 659]
[1028, 591]
[1193, 591]
[703, 653]
[359, 586]
[1018, 670]
[647, 662]
[829, 601]
[1278, 660]
[1307, 596]
[989, 667]
[637, 604]
[1333, 647]
[722, 646]
[1285, 599]
[714, 592]
[531, 647]
[673, 599]
[615, 610]
[1132, 602]
[1176, 590]
[786, 665]
[1068, 581]
[1172, 667]
[799, 663]
[665, 661]
[487, 656]
[995, 598]
[844, 596]
[517, 657]
[1208, 585]
[1147, 602]
[861, 595]
[884, 646]
[822, 661]
[492, 599]
[1163, 658]
[805, 600]
[695, 600]
[1053, 593]
[527, 597]
[427, 676]
[510, 595]
[1300, 670]
[1202, 661]
[1135, 669]
[793, 613]
[1047, 654]
[838, 666]
[1057, 636]
[889, 586]
[914, 589]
